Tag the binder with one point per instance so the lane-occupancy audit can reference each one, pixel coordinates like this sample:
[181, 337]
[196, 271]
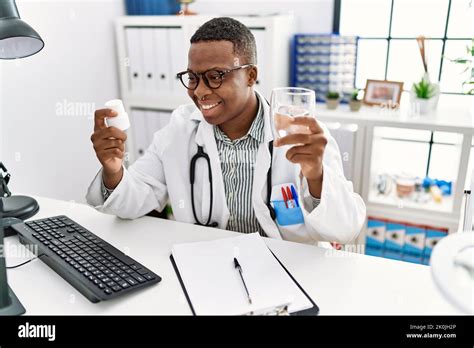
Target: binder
[279, 310]
[151, 125]
[155, 120]
[178, 48]
[150, 68]
[140, 135]
[163, 118]
[135, 56]
[162, 61]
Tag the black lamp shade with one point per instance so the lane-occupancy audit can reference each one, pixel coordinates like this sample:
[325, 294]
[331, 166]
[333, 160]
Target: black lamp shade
[17, 38]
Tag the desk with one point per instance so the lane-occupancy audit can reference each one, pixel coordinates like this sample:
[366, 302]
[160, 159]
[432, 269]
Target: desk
[339, 283]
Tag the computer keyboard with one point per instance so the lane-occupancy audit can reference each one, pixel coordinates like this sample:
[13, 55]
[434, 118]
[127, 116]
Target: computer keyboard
[94, 267]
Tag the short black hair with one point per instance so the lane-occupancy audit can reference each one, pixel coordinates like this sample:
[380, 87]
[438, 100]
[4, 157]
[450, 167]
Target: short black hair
[229, 29]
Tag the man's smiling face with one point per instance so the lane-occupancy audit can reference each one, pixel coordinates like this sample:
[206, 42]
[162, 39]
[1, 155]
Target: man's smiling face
[231, 98]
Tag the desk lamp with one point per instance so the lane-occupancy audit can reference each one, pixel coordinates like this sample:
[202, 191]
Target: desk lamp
[17, 40]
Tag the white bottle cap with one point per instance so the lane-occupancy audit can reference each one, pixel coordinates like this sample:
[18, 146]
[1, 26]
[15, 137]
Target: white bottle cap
[121, 121]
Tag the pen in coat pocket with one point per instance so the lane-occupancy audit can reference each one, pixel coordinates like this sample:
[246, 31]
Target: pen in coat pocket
[285, 198]
[295, 196]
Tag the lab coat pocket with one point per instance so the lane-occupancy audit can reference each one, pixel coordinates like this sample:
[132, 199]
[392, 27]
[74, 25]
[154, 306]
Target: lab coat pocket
[287, 215]
[286, 204]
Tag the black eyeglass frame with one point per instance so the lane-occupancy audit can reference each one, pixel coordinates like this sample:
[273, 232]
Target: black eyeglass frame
[202, 76]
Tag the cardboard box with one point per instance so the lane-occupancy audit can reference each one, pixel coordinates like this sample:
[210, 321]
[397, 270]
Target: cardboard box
[433, 236]
[375, 236]
[414, 240]
[395, 236]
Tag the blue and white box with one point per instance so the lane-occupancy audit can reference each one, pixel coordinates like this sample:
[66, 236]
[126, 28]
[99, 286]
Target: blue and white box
[395, 236]
[433, 236]
[375, 237]
[414, 240]
[374, 251]
[393, 254]
[412, 258]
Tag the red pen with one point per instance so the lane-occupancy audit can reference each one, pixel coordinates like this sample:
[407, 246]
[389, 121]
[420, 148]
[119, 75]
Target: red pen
[285, 198]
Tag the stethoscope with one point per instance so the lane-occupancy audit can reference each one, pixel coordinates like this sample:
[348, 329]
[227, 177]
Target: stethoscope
[201, 154]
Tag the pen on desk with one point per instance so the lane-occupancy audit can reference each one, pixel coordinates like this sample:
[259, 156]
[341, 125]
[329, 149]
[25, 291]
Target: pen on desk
[239, 268]
[295, 196]
[285, 198]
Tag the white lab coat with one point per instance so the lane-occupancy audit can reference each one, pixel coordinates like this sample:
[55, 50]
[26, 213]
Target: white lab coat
[161, 175]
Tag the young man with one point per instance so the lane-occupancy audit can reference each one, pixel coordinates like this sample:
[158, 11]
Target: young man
[247, 166]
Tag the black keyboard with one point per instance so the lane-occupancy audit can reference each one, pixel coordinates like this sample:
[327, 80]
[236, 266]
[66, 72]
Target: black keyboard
[91, 265]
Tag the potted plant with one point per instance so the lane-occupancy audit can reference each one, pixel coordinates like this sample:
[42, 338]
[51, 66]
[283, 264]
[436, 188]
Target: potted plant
[467, 60]
[332, 100]
[423, 94]
[354, 102]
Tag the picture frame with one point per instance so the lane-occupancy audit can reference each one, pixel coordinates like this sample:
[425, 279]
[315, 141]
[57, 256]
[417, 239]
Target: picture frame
[383, 92]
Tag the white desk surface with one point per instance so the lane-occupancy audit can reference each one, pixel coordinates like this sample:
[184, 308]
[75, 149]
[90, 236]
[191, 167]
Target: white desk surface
[343, 284]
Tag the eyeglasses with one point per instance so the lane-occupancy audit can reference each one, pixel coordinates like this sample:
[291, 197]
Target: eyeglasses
[212, 78]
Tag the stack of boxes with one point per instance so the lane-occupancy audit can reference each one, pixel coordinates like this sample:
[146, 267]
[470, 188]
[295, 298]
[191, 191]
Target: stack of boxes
[324, 63]
[401, 241]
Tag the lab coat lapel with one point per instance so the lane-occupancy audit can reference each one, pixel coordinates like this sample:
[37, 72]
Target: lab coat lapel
[259, 191]
[205, 138]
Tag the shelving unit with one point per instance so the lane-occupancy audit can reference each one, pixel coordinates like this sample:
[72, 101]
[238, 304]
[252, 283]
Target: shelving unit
[324, 63]
[455, 120]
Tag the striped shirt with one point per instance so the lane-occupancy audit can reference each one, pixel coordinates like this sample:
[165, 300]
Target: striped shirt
[237, 159]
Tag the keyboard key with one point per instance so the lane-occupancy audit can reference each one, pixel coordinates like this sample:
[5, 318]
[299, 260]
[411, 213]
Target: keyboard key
[138, 277]
[149, 276]
[108, 291]
[131, 281]
[124, 284]
[116, 288]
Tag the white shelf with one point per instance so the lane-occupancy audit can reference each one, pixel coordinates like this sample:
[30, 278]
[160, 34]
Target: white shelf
[445, 119]
[392, 200]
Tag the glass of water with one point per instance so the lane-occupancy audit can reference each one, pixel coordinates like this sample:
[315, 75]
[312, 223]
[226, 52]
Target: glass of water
[289, 102]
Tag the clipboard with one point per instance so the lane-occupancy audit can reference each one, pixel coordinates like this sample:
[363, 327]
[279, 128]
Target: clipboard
[277, 311]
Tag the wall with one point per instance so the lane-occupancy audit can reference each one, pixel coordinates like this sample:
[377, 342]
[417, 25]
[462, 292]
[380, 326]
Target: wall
[47, 100]
[314, 16]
